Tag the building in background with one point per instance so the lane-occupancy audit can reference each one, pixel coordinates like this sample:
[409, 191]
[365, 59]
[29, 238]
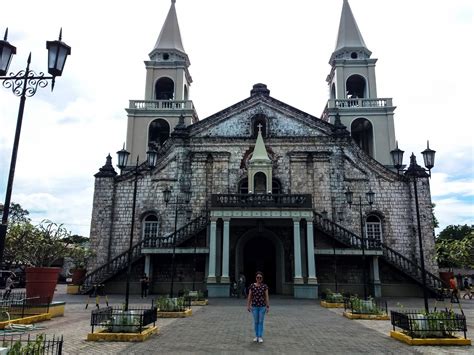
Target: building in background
[268, 185]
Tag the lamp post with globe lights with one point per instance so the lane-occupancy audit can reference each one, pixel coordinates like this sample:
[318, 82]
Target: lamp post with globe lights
[370, 195]
[25, 84]
[414, 172]
[123, 155]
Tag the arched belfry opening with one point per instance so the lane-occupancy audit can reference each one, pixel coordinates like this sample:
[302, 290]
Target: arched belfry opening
[355, 87]
[333, 91]
[158, 132]
[164, 89]
[362, 133]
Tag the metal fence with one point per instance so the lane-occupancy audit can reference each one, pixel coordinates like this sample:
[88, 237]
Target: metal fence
[20, 308]
[13, 295]
[38, 345]
[437, 324]
[116, 320]
[370, 306]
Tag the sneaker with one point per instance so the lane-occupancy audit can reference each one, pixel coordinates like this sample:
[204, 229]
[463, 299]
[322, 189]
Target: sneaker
[260, 340]
[255, 340]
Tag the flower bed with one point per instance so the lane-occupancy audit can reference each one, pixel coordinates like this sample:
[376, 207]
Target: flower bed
[333, 300]
[433, 328]
[119, 325]
[176, 307]
[38, 345]
[356, 308]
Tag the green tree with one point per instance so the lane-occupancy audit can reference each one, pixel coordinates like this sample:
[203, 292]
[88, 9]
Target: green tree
[455, 247]
[455, 232]
[16, 214]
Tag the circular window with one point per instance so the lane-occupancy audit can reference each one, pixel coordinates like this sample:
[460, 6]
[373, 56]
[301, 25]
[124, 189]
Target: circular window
[354, 55]
[166, 56]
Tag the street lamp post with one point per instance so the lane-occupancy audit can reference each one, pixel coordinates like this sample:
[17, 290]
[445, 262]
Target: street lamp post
[178, 201]
[24, 84]
[413, 173]
[152, 156]
[370, 195]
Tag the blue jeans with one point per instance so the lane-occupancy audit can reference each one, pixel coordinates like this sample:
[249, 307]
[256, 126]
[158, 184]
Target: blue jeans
[258, 317]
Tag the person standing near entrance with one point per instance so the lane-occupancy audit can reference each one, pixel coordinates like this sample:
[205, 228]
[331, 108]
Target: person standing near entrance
[258, 303]
[145, 282]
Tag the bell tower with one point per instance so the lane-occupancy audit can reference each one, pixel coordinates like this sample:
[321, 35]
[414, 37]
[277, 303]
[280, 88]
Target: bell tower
[167, 101]
[353, 92]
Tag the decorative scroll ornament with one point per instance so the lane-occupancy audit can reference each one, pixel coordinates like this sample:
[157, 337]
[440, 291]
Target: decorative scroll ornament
[25, 81]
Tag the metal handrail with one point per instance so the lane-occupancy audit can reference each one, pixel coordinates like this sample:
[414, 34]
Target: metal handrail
[119, 262]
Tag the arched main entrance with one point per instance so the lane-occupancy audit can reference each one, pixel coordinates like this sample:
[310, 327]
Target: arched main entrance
[259, 249]
[260, 255]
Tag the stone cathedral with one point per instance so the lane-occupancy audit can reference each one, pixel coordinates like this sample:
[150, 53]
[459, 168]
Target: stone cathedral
[262, 186]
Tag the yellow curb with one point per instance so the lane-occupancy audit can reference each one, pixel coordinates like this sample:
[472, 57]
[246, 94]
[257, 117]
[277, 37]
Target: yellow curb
[131, 337]
[200, 303]
[429, 341]
[331, 305]
[72, 289]
[27, 320]
[56, 309]
[366, 316]
[184, 314]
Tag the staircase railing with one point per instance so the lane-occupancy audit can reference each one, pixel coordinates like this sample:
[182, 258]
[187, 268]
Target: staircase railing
[120, 262]
[342, 234]
[411, 269]
[393, 257]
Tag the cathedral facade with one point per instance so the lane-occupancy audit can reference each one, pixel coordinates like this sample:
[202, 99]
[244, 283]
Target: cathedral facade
[315, 203]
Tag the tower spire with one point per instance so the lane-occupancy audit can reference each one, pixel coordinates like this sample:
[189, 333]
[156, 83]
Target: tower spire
[170, 35]
[349, 38]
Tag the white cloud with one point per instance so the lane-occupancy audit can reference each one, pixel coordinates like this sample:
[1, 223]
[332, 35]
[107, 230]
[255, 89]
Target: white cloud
[232, 45]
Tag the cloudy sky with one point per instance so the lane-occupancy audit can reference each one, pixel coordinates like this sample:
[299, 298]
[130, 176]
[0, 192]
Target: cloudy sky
[424, 47]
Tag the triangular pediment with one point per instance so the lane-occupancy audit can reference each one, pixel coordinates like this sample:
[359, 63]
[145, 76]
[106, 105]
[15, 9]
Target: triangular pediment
[283, 120]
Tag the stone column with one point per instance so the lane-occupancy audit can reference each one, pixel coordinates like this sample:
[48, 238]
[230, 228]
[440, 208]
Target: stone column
[211, 277]
[311, 262]
[225, 252]
[148, 265]
[297, 279]
[376, 277]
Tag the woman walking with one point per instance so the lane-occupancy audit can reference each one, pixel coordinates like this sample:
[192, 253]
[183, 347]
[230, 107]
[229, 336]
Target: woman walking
[258, 303]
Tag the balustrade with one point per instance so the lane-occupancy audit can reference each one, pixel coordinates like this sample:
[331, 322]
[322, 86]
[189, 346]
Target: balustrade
[161, 105]
[261, 200]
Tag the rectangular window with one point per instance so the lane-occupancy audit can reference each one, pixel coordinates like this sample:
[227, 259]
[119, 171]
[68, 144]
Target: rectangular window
[374, 234]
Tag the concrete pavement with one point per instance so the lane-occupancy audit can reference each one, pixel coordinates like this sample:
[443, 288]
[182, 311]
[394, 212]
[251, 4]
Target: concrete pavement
[225, 327]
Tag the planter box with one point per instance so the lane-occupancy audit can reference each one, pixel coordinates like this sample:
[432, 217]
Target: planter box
[131, 337]
[438, 326]
[27, 320]
[183, 314]
[326, 304]
[429, 341]
[351, 315]
[200, 303]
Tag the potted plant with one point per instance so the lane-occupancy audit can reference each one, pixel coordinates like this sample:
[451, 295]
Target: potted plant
[42, 246]
[80, 256]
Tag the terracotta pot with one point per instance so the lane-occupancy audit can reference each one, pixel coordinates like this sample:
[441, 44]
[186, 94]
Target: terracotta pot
[78, 276]
[445, 276]
[41, 281]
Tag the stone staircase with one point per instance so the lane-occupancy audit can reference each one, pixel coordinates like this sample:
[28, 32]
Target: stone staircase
[391, 256]
[332, 229]
[120, 262]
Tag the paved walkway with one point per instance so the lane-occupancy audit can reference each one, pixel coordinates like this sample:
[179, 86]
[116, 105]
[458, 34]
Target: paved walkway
[225, 326]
